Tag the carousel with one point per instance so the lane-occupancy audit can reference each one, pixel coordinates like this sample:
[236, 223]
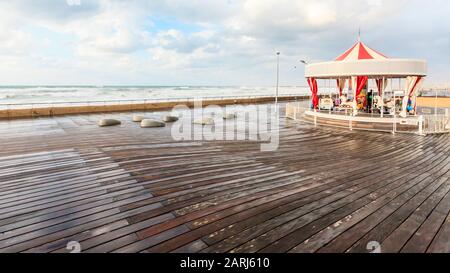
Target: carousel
[371, 90]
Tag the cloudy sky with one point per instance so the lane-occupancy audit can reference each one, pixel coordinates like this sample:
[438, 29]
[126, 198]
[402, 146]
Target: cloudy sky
[208, 42]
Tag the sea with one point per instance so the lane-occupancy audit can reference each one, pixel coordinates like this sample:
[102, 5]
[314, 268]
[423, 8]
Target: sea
[28, 95]
[80, 94]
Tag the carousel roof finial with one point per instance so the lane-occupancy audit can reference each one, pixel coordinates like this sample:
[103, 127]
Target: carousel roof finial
[359, 34]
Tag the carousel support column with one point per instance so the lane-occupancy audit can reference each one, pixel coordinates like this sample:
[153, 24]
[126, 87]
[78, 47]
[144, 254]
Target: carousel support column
[355, 103]
[413, 94]
[337, 95]
[405, 100]
[331, 95]
[350, 83]
[371, 102]
[315, 114]
[394, 125]
[382, 98]
[415, 104]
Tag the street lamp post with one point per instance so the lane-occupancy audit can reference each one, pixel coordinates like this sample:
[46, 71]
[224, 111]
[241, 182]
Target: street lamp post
[305, 63]
[278, 76]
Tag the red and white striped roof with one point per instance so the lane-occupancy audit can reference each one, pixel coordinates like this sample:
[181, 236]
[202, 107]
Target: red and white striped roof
[360, 52]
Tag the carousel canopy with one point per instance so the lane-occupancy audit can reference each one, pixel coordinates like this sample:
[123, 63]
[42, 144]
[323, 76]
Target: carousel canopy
[360, 52]
[361, 60]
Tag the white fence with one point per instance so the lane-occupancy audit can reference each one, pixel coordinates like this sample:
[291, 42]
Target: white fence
[436, 124]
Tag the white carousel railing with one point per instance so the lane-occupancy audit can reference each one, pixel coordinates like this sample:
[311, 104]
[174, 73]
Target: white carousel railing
[422, 124]
[436, 124]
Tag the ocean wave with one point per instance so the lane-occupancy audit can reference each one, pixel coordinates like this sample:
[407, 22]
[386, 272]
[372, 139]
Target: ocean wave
[49, 94]
[182, 88]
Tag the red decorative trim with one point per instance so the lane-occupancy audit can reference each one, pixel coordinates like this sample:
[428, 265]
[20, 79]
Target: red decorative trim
[380, 86]
[314, 90]
[363, 54]
[419, 78]
[339, 86]
[345, 55]
[360, 83]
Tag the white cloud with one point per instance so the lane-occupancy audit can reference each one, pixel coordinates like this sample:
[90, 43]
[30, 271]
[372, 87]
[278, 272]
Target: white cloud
[51, 10]
[285, 18]
[113, 31]
[120, 42]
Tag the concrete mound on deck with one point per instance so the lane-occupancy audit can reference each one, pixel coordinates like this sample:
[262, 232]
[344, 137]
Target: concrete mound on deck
[108, 122]
[152, 123]
[170, 119]
[138, 118]
[229, 116]
[205, 121]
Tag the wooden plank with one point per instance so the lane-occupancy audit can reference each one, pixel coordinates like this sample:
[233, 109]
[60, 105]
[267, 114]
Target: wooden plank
[125, 189]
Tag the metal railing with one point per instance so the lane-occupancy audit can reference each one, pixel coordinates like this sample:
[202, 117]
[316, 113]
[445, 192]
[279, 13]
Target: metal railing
[54, 104]
[436, 124]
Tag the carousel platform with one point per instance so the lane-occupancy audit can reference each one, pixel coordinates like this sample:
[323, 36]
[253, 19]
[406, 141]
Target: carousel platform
[421, 124]
[365, 121]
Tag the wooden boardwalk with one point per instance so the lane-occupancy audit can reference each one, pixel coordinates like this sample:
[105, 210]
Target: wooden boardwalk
[127, 189]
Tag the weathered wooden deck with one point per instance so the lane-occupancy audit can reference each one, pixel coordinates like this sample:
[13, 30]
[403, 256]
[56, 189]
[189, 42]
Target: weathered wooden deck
[127, 189]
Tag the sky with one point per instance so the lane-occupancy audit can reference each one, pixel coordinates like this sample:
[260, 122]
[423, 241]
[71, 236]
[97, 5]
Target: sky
[208, 42]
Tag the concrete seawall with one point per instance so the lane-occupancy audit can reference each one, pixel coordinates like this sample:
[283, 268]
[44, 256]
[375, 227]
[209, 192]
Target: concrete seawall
[71, 110]
[149, 106]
